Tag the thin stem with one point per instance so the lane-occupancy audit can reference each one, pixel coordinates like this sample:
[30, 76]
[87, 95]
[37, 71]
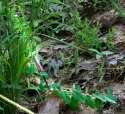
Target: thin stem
[78, 48]
[16, 105]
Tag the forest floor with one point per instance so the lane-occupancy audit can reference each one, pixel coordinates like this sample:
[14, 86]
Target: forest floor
[85, 73]
[59, 57]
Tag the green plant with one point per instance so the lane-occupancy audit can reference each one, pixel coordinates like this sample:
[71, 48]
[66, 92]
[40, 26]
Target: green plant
[74, 97]
[118, 7]
[87, 35]
[54, 15]
[32, 72]
[110, 40]
[18, 20]
[15, 51]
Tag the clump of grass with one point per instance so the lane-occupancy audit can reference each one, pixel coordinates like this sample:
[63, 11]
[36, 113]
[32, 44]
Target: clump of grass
[15, 52]
[87, 35]
[118, 7]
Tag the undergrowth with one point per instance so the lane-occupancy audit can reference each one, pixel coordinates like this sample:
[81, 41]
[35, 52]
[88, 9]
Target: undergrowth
[21, 21]
[74, 97]
[87, 35]
[16, 50]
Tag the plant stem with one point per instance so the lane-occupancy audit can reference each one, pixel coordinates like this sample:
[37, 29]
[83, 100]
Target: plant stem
[71, 45]
[16, 105]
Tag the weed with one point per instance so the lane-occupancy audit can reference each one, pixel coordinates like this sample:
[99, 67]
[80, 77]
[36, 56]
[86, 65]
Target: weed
[15, 51]
[117, 6]
[75, 97]
[54, 16]
[87, 35]
[17, 46]
[110, 40]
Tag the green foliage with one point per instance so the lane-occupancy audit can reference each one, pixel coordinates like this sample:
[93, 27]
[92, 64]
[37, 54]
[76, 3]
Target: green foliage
[31, 69]
[87, 35]
[117, 6]
[107, 98]
[75, 97]
[110, 40]
[44, 75]
[48, 16]
[15, 51]
[18, 18]
[42, 86]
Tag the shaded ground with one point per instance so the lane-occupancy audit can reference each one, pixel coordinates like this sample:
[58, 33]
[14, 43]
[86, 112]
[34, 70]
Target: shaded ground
[85, 69]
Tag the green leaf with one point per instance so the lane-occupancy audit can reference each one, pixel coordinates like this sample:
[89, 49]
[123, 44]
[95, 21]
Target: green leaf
[77, 94]
[44, 74]
[98, 104]
[90, 101]
[106, 98]
[65, 96]
[35, 23]
[109, 97]
[74, 103]
[42, 86]
[1, 7]
[110, 100]
[54, 1]
[76, 97]
[99, 96]
[55, 87]
[31, 69]
[95, 51]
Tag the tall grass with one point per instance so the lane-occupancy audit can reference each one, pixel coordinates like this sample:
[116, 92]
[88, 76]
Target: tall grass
[15, 52]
